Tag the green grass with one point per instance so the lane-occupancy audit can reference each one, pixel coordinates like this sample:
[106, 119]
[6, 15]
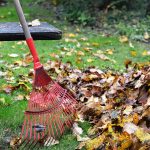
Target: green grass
[11, 112]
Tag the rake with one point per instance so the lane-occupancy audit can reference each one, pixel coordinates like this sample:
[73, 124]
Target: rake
[51, 108]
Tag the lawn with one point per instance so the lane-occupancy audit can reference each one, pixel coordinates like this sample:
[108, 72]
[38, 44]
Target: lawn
[83, 47]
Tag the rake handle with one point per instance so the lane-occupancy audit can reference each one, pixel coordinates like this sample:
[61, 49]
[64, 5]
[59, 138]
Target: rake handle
[29, 39]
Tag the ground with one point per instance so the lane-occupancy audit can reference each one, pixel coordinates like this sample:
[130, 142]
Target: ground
[82, 46]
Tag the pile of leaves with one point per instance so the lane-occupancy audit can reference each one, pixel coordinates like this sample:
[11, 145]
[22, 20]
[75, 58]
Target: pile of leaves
[115, 104]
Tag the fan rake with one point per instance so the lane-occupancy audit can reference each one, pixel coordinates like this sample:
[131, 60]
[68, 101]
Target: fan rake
[51, 108]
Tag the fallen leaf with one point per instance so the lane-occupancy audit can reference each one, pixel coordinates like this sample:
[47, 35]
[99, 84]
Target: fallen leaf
[133, 53]
[128, 110]
[80, 146]
[131, 45]
[102, 56]
[2, 101]
[130, 128]
[95, 143]
[146, 53]
[90, 60]
[15, 141]
[124, 39]
[110, 51]
[146, 36]
[72, 35]
[143, 136]
[95, 44]
[19, 97]
[135, 118]
[80, 53]
[76, 129]
[34, 23]
[13, 55]
[82, 139]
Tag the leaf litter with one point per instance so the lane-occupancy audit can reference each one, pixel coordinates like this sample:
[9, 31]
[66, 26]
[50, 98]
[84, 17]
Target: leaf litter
[115, 104]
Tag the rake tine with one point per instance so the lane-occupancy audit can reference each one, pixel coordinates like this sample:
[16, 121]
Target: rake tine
[22, 142]
[31, 144]
[50, 139]
[24, 146]
[38, 142]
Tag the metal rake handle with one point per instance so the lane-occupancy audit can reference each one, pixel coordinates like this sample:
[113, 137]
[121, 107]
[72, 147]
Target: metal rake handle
[28, 36]
[22, 19]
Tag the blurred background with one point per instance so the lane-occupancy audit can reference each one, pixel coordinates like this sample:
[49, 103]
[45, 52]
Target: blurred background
[93, 13]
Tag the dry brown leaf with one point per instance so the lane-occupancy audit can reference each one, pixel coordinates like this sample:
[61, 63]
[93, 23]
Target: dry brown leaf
[15, 141]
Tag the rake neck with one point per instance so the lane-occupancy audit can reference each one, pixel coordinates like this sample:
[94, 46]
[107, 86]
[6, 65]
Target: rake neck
[33, 51]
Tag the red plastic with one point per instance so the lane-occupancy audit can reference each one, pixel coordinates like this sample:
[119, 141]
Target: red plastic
[54, 109]
[33, 51]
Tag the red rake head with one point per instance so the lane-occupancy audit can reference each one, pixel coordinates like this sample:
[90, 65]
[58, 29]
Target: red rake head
[51, 98]
[41, 78]
[49, 112]
[48, 125]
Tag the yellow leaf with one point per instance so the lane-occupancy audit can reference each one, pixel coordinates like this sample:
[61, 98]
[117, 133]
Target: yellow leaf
[93, 76]
[55, 2]
[84, 39]
[146, 53]
[22, 84]
[102, 57]
[133, 53]
[69, 53]
[95, 143]
[80, 53]
[71, 35]
[145, 147]
[78, 30]
[19, 97]
[95, 44]
[2, 100]
[73, 77]
[90, 60]
[87, 49]
[109, 51]
[143, 136]
[15, 141]
[125, 144]
[123, 39]
[135, 118]
[128, 110]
